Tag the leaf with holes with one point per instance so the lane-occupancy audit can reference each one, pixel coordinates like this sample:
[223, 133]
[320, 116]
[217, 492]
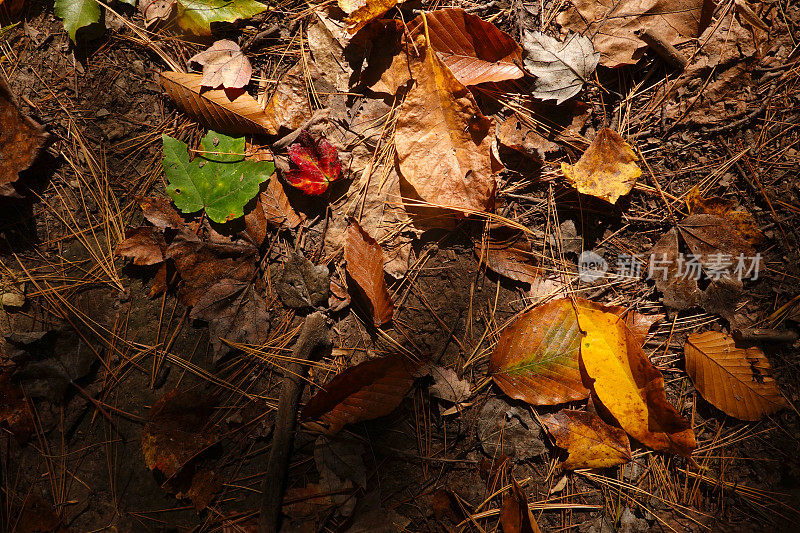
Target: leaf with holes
[364, 258]
[218, 180]
[737, 381]
[366, 391]
[314, 164]
[536, 359]
[591, 443]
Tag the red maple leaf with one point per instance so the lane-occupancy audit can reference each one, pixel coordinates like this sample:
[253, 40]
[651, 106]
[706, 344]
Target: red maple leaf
[314, 164]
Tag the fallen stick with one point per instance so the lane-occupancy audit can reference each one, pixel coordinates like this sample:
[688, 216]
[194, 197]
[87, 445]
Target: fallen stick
[313, 336]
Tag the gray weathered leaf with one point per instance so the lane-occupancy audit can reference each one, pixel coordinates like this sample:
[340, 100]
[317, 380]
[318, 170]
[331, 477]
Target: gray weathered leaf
[561, 68]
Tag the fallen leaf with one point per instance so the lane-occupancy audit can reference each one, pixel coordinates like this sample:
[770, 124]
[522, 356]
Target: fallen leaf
[154, 11]
[591, 443]
[366, 391]
[607, 169]
[515, 515]
[370, 516]
[536, 358]
[161, 214]
[678, 291]
[327, 40]
[714, 242]
[742, 221]
[15, 413]
[277, 208]
[235, 116]
[20, 140]
[474, 50]
[447, 386]
[218, 180]
[224, 65]
[177, 430]
[77, 14]
[361, 12]
[364, 258]
[737, 381]
[561, 68]
[628, 384]
[506, 430]
[343, 457]
[196, 16]
[144, 245]
[314, 164]
[11, 9]
[615, 24]
[204, 487]
[507, 251]
[443, 141]
[303, 284]
[289, 106]
[37, 516]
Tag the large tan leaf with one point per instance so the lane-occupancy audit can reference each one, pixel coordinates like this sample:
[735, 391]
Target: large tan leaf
[364, 258]
[474, 50]
[238, 116]
[368, 390]
[536, 359]
[591, 443]
[614, 24]
[737, 381]
[627, 383]
[443, 140]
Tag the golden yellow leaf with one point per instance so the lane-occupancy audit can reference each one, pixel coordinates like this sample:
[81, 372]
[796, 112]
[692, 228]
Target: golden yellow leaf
[361, 12]
[443, 140]
[628, 384]
[591, 443]
[735, 380]
[607, 169]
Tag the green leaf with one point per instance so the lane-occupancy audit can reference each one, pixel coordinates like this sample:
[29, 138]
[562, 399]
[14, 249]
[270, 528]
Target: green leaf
[77, 14]
[219, 180]
[196, 16]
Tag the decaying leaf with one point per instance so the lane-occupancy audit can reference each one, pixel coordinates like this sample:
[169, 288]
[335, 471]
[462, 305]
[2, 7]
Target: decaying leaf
[591, 443]
[742, 221]
[615, 24]
[237, 116]
[536, 359]
[155, 11]
[515, 515]
[303, 284]
[343, 457]
[508, 252]
[20, 140]
[277, 208]
[509, 431]
[368, 390]
[443, 141]
[715, 244]
[447, 386]
[196, 16]
[364, 258]
[15, 413]
[607, 169]
[289, 106]
[474, 50]
[628, 384]
[224, 65]
[561, 68]
[678, 291]
[737, 381]
[144, 245]
[218, 180]
[314, 164]
[361, 12]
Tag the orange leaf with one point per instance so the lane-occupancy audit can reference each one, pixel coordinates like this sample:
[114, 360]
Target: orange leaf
[628, 384]
[368, 390]
[235, 116]
[737, 381]
[364, 258]
[515, 515]
[591, 443]
[536, 359]
[474, 50]
[361, 12]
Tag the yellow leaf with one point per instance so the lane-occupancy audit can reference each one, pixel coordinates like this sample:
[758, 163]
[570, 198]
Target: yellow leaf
[361, 12]
[628, 384]
[607, 169]
[591, 443]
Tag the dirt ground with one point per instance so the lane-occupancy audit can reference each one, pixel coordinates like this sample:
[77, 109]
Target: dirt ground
[79, 464]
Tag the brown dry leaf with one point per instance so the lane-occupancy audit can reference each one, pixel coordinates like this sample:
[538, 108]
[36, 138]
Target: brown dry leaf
[224, 65]
[613, 24]
[627, 383]
[234, 116]
[507, 251]
[15, 413]
[177, 430]
[361, 12]
[591, 443]
[145, 245]
[277, 208]
[742, 221]
[156, 10]
[368, 390]
[364, 258]
[159, 212]
[678, 291]
[289, 106]
[443, 141]
[474, 50]
[20, 140]
[607, 169]
[737, 381]
[536, 358]
[515, 515]
[447, 386]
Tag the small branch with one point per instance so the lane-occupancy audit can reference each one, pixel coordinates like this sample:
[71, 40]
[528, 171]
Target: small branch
[658, 44]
